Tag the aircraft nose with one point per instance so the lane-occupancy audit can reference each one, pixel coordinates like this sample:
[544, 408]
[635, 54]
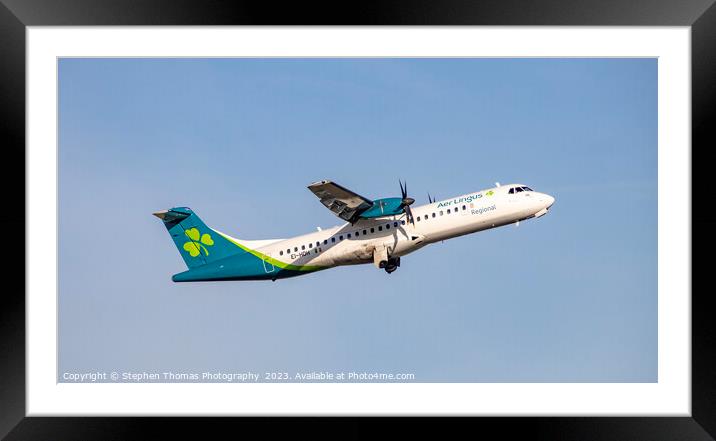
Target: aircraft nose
[549, 200]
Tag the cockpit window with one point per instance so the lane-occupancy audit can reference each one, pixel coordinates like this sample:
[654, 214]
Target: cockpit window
[518, 189]
[526, 189]
[512, 191]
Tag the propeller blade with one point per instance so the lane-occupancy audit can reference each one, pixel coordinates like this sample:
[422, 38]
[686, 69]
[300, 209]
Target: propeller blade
[409, 213]
[404, 195]
[406, 201]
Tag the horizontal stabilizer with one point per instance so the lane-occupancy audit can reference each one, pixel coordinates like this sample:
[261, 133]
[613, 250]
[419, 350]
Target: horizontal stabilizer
[170, 216]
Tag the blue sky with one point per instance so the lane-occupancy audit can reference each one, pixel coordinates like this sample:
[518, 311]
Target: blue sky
[569, 297]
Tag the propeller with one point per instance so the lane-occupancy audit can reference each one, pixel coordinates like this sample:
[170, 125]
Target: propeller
[406, 202]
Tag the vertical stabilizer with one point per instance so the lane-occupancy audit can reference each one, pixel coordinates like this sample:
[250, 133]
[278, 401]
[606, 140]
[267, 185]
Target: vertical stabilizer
[197, 243]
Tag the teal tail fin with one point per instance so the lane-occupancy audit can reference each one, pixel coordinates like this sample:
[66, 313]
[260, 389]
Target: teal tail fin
[197, 243]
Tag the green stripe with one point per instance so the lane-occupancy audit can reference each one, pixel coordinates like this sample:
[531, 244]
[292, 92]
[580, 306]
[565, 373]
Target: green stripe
[271, 260]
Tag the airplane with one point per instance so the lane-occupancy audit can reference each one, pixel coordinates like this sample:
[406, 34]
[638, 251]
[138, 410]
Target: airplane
[378, 231]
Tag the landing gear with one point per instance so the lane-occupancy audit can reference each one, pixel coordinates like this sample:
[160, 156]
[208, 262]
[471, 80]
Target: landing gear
[390, 265]
[381, 259]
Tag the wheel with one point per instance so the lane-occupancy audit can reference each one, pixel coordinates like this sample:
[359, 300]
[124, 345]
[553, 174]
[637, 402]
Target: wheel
[392, 264]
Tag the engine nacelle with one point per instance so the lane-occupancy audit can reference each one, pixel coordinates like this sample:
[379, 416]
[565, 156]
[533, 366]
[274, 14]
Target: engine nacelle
[384, 207]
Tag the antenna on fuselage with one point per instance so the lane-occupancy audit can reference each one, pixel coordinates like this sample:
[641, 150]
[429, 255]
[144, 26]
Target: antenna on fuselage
[497, 184]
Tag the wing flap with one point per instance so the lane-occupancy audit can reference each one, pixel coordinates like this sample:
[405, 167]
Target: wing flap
[342, 202]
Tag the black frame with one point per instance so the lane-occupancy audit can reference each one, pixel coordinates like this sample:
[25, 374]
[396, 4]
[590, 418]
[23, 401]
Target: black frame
[15, 15]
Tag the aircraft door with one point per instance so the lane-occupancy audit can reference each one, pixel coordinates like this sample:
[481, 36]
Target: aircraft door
[268, 266]
[513, 196]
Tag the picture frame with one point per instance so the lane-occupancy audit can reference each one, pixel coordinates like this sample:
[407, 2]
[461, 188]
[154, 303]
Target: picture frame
[16, 15]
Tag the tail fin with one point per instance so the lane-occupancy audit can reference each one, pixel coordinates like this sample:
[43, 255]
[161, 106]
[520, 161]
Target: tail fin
[197, 243]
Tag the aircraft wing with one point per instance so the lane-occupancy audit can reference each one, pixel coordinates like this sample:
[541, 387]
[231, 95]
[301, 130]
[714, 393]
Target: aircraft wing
[344, 203]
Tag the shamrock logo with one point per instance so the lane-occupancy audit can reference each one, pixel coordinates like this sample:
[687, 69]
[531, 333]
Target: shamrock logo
[196, 246]
[490, 193]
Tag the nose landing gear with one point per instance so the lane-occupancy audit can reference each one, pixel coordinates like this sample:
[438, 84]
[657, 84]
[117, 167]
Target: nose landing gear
[390, 265]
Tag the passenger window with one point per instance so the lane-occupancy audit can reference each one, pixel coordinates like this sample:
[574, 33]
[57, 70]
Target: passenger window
[418, 218]
[426, 217]
[357, 233]
[448, 211]
[318, 244]
[333, 239]
[364, 232]
[380, 228]
[387, 226]
[402, 222]
[295, 249]
[288, 251]
[303, 247]
[395, 224]
[372, 230]
[349, 235]
[464, 207]
[441, 212]
[310, 245]
[433, 214]
[281, 252]
[325, 242]
[340, 237]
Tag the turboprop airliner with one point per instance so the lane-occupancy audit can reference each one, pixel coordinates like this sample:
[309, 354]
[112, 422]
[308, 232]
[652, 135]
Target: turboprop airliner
[378, 231]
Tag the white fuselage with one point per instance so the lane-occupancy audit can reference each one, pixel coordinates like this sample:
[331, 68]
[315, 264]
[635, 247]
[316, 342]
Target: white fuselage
[394, 236]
